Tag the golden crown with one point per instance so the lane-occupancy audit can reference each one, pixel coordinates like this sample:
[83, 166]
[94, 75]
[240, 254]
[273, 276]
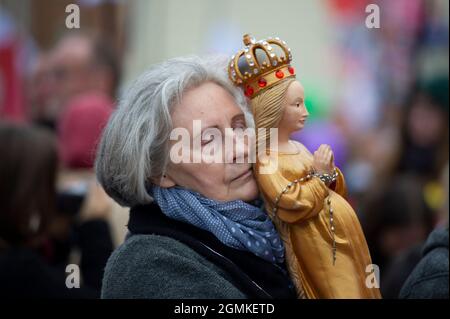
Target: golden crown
[260, 64]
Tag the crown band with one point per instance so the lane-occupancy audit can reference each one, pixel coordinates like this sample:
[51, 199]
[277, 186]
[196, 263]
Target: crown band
[267, 80]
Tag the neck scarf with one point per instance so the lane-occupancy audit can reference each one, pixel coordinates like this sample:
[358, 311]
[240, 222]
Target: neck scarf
[236, 224]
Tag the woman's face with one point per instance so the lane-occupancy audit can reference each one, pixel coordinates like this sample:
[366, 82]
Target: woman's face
[224, 179]
[295, 112]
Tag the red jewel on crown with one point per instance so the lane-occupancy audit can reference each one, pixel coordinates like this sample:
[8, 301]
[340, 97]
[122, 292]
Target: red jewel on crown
[291, 70]
[262, 82]
[279, 74]
[249, 91]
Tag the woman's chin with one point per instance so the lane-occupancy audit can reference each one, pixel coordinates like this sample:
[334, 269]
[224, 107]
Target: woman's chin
[247, 192]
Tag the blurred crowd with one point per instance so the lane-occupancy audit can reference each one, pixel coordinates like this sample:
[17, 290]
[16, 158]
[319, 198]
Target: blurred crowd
[53, 212]
[389, 127]
[402, 157]
[389, 130]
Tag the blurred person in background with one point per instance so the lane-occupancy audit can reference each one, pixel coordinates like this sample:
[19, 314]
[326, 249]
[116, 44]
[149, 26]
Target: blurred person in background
[85, 74]
[31, 225]
[397, 219]
[429, 279]
[79, 129]
[424, 149]
[79, 64]
[41, 88]
[405, 203]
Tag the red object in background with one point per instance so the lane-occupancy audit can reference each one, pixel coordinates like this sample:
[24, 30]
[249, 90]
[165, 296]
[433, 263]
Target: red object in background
[11, 95]
[80, 128]
[350, 7]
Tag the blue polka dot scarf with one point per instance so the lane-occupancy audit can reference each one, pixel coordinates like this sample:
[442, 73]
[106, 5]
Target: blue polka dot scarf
[237, 224]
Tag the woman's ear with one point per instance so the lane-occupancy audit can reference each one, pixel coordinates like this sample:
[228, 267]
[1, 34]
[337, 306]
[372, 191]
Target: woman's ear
[164, 181]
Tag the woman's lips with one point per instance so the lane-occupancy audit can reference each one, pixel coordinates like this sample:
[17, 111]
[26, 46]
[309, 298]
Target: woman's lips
[244, 175]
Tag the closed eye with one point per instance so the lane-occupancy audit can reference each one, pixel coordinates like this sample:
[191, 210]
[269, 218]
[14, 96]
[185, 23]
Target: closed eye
[239, 124]
[207, 139]
[204, 142]
[240, 127]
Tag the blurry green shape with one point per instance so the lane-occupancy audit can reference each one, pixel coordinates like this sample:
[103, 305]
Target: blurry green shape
[317, 102]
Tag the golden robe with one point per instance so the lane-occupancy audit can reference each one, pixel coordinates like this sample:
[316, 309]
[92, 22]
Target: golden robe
[303, 222]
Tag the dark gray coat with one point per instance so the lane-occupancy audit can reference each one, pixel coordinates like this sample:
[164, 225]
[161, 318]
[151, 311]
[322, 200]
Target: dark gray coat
[164, 258]
[151, 266]
[429, 280]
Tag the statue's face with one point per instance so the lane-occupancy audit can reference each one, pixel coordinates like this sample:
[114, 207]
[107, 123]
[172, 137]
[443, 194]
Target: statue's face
[295, 112]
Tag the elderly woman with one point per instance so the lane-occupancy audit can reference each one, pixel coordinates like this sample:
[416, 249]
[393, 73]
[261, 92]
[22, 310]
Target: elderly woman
[196, 229]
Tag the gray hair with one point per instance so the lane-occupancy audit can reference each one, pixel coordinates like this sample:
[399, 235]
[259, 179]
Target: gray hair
[135, 142]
